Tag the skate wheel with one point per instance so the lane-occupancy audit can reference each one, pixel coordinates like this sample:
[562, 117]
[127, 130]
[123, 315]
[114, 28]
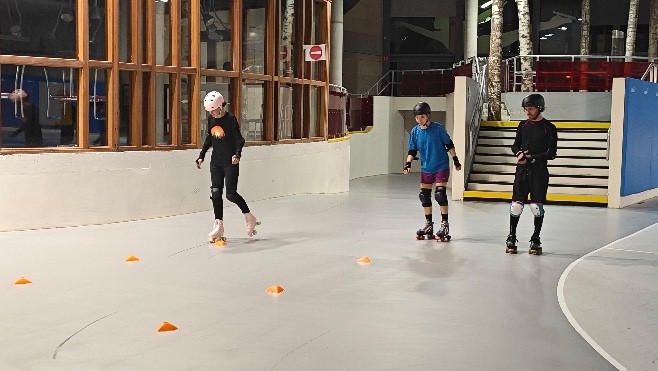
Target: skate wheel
[420, 237]
[510, 251]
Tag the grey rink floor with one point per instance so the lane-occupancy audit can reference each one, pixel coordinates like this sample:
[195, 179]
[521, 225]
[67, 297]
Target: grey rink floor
[419, 305]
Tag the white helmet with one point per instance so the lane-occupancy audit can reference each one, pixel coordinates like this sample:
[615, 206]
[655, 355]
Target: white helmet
[213, 100]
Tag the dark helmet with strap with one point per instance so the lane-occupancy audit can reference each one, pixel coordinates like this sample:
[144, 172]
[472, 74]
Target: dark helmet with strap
[422, 108]
[534, 100]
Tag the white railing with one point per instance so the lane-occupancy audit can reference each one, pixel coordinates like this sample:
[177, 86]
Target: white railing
[476, 117]
[651, 74]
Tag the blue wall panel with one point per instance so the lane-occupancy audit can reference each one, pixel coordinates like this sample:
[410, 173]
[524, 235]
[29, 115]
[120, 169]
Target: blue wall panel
[640, 151]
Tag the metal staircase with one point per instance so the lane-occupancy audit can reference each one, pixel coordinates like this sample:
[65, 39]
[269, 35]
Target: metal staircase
[579, 174]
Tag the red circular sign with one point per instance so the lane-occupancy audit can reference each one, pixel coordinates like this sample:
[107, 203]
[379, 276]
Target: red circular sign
[315, 52]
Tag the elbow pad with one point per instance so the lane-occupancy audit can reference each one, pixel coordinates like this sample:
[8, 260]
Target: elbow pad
[450, 146]
[413, 152]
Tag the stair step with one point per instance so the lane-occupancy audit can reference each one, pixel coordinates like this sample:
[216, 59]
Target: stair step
[574, 144]
[564, 152]
[563, 180]
[559, 161]
[562, 189]
[480, 168]
[561, 135]
[551, 197]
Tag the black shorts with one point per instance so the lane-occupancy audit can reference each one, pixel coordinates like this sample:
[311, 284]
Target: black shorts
[529, 180]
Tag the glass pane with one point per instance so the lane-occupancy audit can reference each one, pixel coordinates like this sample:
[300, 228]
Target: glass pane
[186, 108]
[38, 106]
[126, 80]
[147, 101]
[97, 36]
[285, 122]
[287, 64]
[39, 29]
[97, 105]
[185, 33]
[253, 98]
[162, 109]
[162, 33]
[126, 32]
[216, 50]
[317, 27]
[253, 36]
[210, 83]
[314, 117]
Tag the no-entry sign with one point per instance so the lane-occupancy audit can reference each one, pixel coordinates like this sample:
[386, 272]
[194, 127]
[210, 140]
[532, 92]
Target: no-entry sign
[314, 53]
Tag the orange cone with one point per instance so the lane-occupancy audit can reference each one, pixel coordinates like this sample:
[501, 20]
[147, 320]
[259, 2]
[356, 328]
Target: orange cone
[220, 243]
[275, 289]
[166, 326]
[132, 258]
[22, 281]
[363, 260]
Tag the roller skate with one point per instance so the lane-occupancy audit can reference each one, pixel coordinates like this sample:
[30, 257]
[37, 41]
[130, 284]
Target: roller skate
[427, 230]
[443, 233]
[511, 244]
[251, 224]
[217, 233]
[535, 246]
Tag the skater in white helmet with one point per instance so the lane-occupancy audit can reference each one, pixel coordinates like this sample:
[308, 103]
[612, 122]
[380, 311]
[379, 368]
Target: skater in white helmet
[226, 140]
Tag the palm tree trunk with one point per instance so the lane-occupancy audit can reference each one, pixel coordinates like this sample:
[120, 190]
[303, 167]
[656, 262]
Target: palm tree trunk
[525, 44]
[584, 28]
[653, 31]
[286, 35]
[495, 52]
[632, 27]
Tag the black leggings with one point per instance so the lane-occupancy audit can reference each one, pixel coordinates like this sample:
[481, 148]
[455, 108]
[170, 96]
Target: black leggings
[230, 174]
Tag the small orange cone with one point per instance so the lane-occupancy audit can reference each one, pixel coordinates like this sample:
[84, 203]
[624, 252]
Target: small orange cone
[22, 281]
[220, 243]
[166, 326]
[275, 289]
[132, 258]
[363, 260]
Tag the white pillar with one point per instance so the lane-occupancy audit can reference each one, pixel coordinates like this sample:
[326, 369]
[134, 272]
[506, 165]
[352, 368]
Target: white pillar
[471, 29]
[336, 42]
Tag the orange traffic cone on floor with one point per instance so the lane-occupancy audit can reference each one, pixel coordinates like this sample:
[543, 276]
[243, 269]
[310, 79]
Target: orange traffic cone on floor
[363, 260]
[166, 326]
[22, 281]
[132, 258]
[275, 289]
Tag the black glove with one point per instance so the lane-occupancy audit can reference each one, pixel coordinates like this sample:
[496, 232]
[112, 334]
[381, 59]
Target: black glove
[455, 160]
[407, 166]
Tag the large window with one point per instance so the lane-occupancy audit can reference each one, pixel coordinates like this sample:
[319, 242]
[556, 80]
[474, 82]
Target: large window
[132, 74]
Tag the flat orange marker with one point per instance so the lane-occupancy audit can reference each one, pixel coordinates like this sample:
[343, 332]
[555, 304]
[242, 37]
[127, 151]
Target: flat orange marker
[22, 281]
[275, 289]
[220, 243]
[132, 258]
[363, 260]
[166, 326]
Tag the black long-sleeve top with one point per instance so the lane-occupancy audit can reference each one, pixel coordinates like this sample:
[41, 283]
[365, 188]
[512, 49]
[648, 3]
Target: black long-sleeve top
[539, 138]
[223, 148]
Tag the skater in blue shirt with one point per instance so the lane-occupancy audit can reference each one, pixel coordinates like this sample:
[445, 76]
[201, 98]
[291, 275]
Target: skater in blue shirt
[431, 140]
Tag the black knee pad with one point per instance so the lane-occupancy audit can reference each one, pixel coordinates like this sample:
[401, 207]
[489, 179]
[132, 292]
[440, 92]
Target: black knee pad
[441, 196]
[232, 196]
[425, 197]
[215, 193]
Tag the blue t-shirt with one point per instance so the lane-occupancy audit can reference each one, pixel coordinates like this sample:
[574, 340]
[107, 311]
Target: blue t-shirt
[431, 145]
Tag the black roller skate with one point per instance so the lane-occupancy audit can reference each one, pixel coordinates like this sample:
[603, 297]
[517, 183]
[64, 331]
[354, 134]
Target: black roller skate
[535, 246]
[511, 244]
[443, 233]
[427, 230]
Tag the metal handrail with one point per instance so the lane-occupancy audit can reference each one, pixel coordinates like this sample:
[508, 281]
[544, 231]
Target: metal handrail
[474, 124]
[651, 72]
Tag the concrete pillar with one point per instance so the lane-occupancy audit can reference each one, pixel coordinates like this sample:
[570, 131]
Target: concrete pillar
[336, 52]
[471, 29]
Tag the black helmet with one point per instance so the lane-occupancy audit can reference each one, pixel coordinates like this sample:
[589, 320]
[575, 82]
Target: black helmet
[534, 100]
[422, 108]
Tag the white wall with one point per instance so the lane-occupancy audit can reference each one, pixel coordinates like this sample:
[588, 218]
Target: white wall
[575, 106]
[383, 149]
[66, 189]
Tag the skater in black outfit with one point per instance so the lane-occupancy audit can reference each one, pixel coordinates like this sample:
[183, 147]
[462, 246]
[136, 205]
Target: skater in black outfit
[534, 145]
[227, 142]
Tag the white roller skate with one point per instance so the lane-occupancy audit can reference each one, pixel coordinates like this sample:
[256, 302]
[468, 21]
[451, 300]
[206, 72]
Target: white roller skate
[251, 224]
[217, 232]
[443, 234]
